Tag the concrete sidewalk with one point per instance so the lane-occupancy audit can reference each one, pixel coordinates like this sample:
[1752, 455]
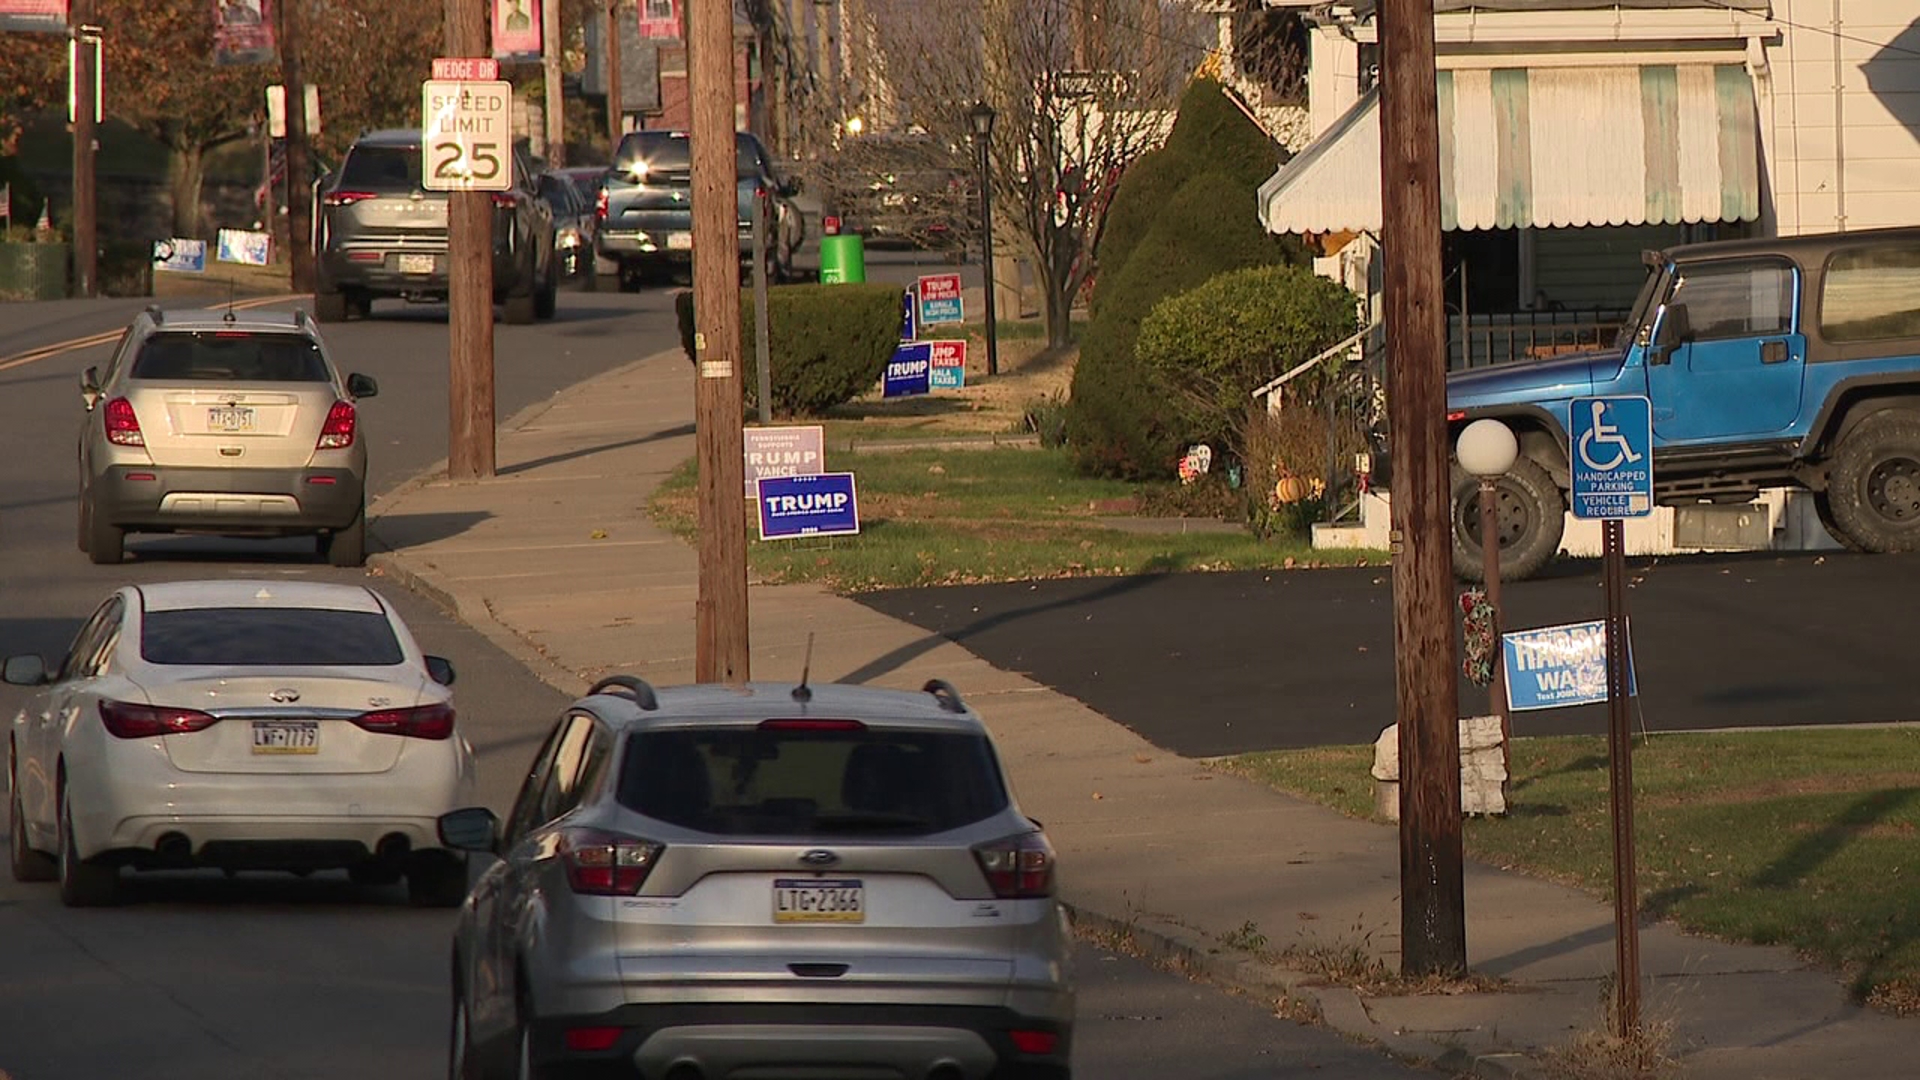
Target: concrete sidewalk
[557, 561]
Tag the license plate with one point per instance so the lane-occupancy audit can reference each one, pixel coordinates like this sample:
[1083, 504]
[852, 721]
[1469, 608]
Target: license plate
[286, 736]
[680, 241]
[813, 900]
[229, 418]
[416, 264]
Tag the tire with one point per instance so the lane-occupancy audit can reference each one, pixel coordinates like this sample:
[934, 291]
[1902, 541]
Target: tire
[106, 542]
[329, 307]
[348, 546]
[1823, 506]
[460, 1062]
[437, 879]
[1532, 518]
[363, 306]
[28, 863]
[1873, 485]
[82, 884]
[547, 301]
[521, 309]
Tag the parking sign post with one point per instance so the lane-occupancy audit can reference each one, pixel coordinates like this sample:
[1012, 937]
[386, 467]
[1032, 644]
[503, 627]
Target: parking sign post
[1611, 451]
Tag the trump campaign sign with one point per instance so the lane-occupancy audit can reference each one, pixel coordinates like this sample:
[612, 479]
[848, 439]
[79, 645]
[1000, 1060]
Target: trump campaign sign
[821, 505]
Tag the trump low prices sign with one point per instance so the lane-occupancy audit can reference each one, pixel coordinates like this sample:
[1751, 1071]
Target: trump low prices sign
[822, 505]
[1558, 666]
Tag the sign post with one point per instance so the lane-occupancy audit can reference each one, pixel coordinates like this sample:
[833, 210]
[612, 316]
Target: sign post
[1611, 451]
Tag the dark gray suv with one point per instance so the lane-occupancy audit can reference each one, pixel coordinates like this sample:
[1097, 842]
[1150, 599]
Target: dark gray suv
[378, 233]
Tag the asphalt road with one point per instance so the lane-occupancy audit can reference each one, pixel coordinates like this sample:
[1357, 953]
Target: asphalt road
[1213, 664]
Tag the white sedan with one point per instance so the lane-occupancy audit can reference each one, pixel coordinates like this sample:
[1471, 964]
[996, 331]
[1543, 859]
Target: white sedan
[244, 725]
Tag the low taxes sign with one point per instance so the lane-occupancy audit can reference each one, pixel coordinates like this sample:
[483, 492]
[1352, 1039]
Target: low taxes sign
[783, 451]
[1557, 666]
[910, 372]
[466, 135]
[1611, 451]
[822, 505]
[940, 299]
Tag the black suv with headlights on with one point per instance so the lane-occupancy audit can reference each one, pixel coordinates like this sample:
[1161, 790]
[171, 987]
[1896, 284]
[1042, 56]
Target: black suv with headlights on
[379, 233]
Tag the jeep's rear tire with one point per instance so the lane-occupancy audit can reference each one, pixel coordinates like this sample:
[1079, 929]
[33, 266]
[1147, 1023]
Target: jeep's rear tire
[1823, 506]
[1533, 514]
[1873, 486]
[329, 307]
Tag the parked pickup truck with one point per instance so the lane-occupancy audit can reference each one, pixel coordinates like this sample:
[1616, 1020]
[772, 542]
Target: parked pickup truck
[646, 215]
[1790, 362]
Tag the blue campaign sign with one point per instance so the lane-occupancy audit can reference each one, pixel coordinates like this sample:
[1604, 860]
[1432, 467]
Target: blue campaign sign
[1557, 666]
[1612, 454]
[820, 505]
[180, 256]
[909, 372]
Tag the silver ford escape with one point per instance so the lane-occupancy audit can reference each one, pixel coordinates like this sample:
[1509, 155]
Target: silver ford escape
[768, 881]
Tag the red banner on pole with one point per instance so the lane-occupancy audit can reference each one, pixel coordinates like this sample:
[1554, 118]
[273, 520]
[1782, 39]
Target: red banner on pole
[44, 16]
[243, 32]
[516, 30]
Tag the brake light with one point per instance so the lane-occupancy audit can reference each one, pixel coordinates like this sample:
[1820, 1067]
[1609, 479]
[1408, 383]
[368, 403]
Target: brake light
[346, 198]
[123, 427]
[606, 864]
[1457, 414]
[337, 432]
[421, 722]
[600, 204]
[128, 721]
[505, 199]
[830, 224]
[1035, 1042]
[1018, 867]
[812, 725]
[592, 1040]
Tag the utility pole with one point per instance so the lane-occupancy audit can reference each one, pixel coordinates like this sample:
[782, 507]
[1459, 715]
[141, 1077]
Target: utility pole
[614, 103]
[1433, 929]
[550, 75]
[470, 428]
[86, 104]
[299, 157]
[720, 623]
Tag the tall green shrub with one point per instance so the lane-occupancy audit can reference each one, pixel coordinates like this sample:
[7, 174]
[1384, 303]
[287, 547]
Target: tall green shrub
[829, 343]
[1211, 346]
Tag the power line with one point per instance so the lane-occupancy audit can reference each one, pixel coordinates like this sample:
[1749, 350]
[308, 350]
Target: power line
[1836, 34]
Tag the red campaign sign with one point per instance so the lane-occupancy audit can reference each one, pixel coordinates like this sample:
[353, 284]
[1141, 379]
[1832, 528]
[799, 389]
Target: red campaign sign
[242, 32]
[949, 353]
[47, 16]
[465, 69]
[516, 29]
[940, 287]
[660, 18]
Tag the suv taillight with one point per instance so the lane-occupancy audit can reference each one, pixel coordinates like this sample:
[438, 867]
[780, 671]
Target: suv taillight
[1018, 867]
[337, 432]
[346, 198]
[606, 864]
[421, 722]
[128, 721]
[600, 204]
[123, 427]
[506, 200]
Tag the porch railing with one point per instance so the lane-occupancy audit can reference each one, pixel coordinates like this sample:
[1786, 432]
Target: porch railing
[1490, 338]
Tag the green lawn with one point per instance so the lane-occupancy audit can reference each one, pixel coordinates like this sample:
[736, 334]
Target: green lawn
[1802, 838]
[931, 517]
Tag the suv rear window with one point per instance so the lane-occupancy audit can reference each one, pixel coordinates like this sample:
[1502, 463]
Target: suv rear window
[757, 782]
[1872, 293]
[381, 168]
[668, 151]
[231, 356]
[294, 637]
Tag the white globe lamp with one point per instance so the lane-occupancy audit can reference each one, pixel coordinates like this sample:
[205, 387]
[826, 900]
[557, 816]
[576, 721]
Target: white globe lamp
[1487, 448]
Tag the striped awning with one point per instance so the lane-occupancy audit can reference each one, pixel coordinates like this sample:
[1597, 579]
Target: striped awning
[1548, 147]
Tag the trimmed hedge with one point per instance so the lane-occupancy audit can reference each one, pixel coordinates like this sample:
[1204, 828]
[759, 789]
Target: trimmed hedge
[1213, 345]
[1119, 423]
[830, 343]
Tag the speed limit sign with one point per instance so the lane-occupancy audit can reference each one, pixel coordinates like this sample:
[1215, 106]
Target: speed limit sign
[466, 136]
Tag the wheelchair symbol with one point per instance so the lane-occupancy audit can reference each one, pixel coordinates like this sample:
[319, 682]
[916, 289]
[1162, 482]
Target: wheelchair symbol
[1605, 434]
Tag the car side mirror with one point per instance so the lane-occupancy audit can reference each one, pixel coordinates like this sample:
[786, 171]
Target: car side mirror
[1673, 331]
[90, 387]
[473, 828]
[25, 670]
[362, 386]
[789, 188]
[440, 670]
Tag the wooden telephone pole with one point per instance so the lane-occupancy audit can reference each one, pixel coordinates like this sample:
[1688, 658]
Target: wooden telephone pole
[614, 103]
[86, 105]
[1433, 930]
[720, 623]
[470, 428]
[555, 105]
[299, 157]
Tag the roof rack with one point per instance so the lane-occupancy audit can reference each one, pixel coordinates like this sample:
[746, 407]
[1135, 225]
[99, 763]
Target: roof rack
[159, 316]
[300, 317]
[944, 693]
[638, 689]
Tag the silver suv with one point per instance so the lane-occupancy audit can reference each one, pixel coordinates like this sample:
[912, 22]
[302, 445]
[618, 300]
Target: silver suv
[770, 881]
[223, 423]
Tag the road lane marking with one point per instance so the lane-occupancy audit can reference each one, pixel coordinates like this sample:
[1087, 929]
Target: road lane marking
[109, 336]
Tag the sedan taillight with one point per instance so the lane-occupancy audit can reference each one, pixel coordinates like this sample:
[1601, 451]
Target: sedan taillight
[1018, 867]
[600, 204]
[337, 432]
[606, 864]
[125, 720]
[123, 426]
[422, 722]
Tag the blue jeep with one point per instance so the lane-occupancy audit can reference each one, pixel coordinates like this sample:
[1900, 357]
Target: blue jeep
[1787, 362]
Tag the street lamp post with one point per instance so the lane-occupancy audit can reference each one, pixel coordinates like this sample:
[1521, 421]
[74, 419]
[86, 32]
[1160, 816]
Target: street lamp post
[1487, 449]
[980, 117]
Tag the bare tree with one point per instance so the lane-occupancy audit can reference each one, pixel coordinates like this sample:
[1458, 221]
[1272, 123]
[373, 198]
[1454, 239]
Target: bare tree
[1080, 88]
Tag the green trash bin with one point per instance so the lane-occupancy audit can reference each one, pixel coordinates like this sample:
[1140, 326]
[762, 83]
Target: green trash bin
[843, 260]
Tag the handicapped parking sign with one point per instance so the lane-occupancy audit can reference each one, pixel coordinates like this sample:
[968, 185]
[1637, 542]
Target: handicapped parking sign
[1611, 452]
